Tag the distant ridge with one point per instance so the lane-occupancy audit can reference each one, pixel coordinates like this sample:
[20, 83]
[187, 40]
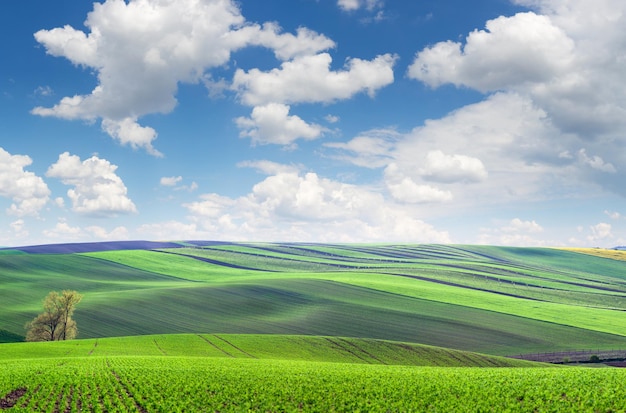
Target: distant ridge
[94, 247]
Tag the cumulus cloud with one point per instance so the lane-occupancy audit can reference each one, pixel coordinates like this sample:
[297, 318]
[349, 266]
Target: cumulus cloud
[441, 167]
[351, 5]
[370, 149]
[290, 205]
[331, 118]
[170, 180]
[174, 181]
[98, 232]
[129, 132]
[272, 124]
[484, 151]
[512, 51]
[63, 230]
[517, 225]
[142, 49]
[404, 189]
[516, 232]
[28, 191]
[97, 189]
[304, 79]
[565, 59]
[309, 79]
[600, 232]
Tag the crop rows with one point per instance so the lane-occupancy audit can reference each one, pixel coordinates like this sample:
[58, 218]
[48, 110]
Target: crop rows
[157, 384]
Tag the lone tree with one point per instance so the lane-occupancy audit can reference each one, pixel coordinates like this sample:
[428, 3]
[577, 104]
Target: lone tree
[56, 322]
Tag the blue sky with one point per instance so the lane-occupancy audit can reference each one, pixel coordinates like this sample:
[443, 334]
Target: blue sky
[486, 122]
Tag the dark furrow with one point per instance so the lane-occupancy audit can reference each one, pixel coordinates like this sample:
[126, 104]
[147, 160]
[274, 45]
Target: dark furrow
[214, 346]
[216, 262]
[417, 277]
[159, 347]
[336, 344]
[138, 406]
[12, 397]
[362, 350]
[234, 346]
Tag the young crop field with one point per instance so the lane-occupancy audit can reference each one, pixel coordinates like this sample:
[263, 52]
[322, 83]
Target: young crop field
[312, 327]
[196, 384]
[232, 373]
[263, 346]
[492, 300]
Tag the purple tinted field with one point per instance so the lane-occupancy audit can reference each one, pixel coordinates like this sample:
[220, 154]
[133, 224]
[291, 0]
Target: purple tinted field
[95, 247]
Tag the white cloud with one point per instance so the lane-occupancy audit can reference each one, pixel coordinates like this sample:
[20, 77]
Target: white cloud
[174, 181]
[370, 149]
[129, 132]
[19, 229]
[97, 189]
[331, 118]
[44, 91]
[285, 45]
[404, 189]
[63, 230]
[28, 192]
[172, 230]
[170, 180]
[566, 59]
[309, 79]
[352, 5]
[600, 232]
[100, 233]
[288, 205]
[516, 232]
[512, 51]
[268, 167]
[595, 162]
[517, 225]
[349, 4]
[272, 123]
[613, 214]
[440, 167]
[481, 152]
[142, 49]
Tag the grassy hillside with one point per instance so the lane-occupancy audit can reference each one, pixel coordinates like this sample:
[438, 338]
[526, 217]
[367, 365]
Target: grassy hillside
[8, 337]
[233, 373]
[485, 299]
[270, 347]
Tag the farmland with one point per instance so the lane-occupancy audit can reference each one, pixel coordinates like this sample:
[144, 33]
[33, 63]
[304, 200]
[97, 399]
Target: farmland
[492, 300]
[213, 326]
[159, 384]
[170, 373]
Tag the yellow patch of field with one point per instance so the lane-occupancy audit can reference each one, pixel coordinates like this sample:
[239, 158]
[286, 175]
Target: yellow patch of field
[600, 252]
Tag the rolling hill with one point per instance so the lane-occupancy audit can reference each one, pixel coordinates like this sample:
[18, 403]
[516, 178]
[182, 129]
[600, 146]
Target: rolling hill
[493, 300]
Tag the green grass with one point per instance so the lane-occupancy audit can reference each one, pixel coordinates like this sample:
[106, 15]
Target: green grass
[233, 373]
[487, 299]
[260, 346]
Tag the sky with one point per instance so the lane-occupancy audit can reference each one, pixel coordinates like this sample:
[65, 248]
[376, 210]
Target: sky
[497, 122]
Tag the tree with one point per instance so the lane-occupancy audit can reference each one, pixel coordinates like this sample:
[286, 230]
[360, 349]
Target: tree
[56, 322]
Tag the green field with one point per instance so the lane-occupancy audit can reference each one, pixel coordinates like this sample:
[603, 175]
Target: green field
[234, 373]
[492, 300]
[280, 327]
